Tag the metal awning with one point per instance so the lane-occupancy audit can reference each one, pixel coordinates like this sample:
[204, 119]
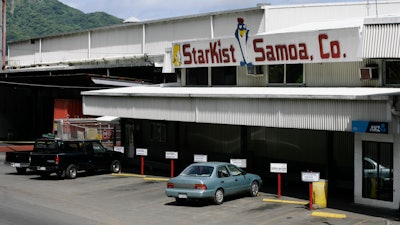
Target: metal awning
[115, 82]
[107, 119]
[283, 107]
[343, 93]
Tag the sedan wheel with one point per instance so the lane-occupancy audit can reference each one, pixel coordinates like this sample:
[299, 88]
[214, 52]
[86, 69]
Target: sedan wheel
[254, 189]
[219, 197]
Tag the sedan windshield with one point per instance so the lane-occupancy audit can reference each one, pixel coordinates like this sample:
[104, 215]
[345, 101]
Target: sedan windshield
[198, 170]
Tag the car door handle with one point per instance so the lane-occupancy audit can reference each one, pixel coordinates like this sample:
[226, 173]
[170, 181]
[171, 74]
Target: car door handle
[236, 179]
[222, 182]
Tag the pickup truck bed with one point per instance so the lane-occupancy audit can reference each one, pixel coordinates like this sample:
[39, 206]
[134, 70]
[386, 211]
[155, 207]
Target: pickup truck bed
[18, 159]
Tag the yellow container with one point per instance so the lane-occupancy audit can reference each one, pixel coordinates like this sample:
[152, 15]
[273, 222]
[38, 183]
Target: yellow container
[320, 193]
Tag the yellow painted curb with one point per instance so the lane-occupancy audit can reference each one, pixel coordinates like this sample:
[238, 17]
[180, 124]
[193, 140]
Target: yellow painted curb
[156, 179]
[285, 201]
[329, 215]
[128, 175]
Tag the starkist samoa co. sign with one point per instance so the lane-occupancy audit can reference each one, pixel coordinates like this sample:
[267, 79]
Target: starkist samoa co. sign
[336, 45]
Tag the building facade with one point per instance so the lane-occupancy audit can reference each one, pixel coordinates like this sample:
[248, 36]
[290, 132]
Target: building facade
[313, 86]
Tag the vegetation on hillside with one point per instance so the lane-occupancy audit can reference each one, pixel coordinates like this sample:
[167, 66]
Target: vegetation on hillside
[27, 19]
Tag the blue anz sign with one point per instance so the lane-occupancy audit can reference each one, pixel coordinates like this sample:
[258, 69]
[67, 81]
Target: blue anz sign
[359, 126]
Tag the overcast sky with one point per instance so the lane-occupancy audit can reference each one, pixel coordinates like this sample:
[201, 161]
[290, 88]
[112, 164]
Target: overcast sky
[159, 9]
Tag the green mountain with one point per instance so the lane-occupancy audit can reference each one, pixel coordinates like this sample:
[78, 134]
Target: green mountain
[27, 19]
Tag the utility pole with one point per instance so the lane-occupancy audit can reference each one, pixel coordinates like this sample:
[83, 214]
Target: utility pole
[3, 36]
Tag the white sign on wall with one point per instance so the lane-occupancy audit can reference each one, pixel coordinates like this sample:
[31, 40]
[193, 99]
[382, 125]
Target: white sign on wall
[200, 158]
[278, 168]
[119, 149]
[171, 155]
[141, 151]
[309, 176]
[242, 163]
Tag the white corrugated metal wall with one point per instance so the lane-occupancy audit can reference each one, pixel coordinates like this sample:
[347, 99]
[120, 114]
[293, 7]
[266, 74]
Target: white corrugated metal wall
[64, 48]
[278, 17]
[245, 80]
[21, 56]
[344, 74]
[381, 41]
[121, 41]
[225, 24]
[334, 115]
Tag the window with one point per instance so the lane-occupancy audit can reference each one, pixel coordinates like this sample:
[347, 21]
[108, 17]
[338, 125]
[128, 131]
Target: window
[197, 76]
[72, 146]
[98, 148]
[285, 74]
[377, 171]
[158, 132]
[204, 171]
[223, 172]
[223, 75]
[392, 72]
[235, 170]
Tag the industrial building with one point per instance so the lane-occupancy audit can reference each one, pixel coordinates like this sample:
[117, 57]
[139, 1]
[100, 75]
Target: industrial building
[312, 86]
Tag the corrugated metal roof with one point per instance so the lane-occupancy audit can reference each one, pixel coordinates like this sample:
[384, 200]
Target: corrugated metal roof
[252, 92]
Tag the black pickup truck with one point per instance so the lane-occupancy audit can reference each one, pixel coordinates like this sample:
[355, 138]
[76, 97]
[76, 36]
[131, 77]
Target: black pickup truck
[74, 156]
[21, 159]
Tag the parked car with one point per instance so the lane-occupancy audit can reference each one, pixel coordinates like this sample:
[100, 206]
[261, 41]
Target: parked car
[374, 170]
[74, 156]
[212, 180]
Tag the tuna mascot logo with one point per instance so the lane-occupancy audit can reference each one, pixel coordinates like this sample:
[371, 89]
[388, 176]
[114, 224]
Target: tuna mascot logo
[242, 35]
[176, 56]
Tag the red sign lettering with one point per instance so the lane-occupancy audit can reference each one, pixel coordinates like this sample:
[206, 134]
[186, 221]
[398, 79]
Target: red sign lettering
[279, 52]
[214, 54]
[334, 50]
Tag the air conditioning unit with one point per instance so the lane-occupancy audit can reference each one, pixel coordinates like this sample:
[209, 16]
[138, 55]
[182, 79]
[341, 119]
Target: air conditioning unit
[255, 71]
[369, 73]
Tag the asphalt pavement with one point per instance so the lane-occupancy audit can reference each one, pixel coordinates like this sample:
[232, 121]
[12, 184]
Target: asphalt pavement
[267, 208]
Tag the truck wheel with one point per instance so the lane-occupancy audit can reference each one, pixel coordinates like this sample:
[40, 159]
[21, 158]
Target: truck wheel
[115, 166]
[21, 170]
[71, 172]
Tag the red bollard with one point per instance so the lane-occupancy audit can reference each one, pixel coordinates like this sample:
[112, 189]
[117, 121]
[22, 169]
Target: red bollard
[311, 195]
[279, 185]
[142, 165]
[172, 168]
